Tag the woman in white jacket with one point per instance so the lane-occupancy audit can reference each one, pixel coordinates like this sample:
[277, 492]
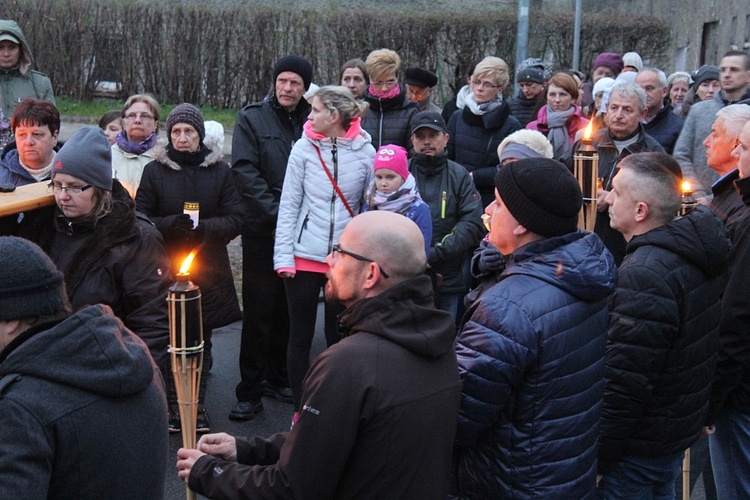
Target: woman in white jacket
[326, 180]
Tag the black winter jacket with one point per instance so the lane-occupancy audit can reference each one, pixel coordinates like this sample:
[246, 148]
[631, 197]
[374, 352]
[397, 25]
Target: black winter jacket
[608, 160]
[731, 383]
[84, 415]
[531, 359]
[665, 128]
[120, 262]
[663, 338]
[263, 138]
[473, 143]
[378, 413]
[726, 203]
[388, 121]
[456, 215]
[525, 110]
[164, 189]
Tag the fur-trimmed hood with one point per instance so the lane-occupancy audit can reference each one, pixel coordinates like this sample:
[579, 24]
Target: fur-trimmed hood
[159, 153]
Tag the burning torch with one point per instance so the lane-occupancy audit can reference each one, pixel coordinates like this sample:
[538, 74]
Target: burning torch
[688, 202]
[186, 350]
[586, 170]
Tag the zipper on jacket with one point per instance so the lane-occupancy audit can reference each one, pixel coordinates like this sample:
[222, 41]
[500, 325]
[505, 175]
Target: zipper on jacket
[304, 226]
[334, 157]
[442, 209]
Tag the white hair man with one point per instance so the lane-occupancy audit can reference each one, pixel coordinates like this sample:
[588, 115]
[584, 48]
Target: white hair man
[660, 122]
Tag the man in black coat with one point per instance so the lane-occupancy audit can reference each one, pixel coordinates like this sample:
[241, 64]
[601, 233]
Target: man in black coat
[82, 403]
[663, 329]
[730, 392]
[263, 138]
[379, 408]
[660, 122]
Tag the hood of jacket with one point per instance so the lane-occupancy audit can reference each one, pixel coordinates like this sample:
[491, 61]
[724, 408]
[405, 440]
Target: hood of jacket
[405, 315]
[577, 263]
[91, 350]
[26, 59]
[355, 138]
[159, 153]
[698, 237]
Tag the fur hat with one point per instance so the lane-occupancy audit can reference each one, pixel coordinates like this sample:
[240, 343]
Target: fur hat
[541, 194]
[87, 156]
[392, 157]
[30, 284]
[295, 64]
[186, 113]
[420, 77]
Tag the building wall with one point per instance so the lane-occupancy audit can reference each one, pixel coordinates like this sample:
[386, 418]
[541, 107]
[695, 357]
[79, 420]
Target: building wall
[702, 30]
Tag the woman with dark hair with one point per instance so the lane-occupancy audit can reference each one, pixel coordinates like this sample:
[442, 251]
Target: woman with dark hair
[325, 184]
[354, 76]
[388, 120]
[132, 149]
[186, 171]
[111, 123]
[477, 130]
[560, 118]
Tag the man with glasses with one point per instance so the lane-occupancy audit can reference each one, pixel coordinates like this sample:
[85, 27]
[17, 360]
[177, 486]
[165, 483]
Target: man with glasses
[420, 83]
[35, 125]
[379, 408]
[263, 138]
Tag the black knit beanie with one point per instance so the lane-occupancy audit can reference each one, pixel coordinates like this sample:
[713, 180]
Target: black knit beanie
[87, 155]
[541, 194]
[30, 284]
[186, 113]
[295, 64]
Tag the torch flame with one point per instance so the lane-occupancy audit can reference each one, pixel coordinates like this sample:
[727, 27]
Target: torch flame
[589, 130]
[686, 187]
[186, 263]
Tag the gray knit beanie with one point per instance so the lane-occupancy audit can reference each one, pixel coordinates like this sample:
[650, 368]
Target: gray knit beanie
[30, 284]
[541, 194]
[87, 156]
[186, 113]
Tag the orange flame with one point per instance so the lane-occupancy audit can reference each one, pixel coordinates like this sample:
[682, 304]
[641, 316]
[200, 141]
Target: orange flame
[686, 188]
[186, 263]
[589, 130]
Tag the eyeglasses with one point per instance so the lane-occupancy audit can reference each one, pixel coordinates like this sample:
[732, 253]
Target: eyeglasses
[362, 258]
[484, 85]
[385, 85]
[419, 94]
[57, 188]
[144, 117]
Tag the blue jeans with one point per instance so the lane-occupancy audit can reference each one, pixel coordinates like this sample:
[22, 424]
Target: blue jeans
[640, 478]
[730, 454]
[448, 302]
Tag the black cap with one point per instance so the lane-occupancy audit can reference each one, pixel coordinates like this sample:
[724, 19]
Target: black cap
[429, 119]
[531, 75]
[295, 64]
[420, 77]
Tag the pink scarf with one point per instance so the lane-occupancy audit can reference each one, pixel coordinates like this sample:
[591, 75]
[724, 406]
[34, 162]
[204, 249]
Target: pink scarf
[396, 90]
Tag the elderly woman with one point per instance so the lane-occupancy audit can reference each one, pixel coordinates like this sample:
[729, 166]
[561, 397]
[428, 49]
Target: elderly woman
[560, 118]
[388, 120]
[132, 149]
[108, 252]
[354, 76]
[184, 171]
[705, 85]
[477, 130]
[678, 85]
[326, 181]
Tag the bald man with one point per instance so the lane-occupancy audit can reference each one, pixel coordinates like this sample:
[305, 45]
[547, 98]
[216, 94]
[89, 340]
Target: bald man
[379, 409]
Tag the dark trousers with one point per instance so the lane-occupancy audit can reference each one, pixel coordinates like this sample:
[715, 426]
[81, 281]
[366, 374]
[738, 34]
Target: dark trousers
[265, 320]
[302, 294]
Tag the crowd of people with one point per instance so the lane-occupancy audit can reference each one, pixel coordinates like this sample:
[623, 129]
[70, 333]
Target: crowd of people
[479, 343]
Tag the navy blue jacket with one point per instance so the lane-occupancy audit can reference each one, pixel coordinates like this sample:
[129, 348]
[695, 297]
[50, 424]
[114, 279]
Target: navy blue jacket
[473, 143]
[665, 128]
[531, 360]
